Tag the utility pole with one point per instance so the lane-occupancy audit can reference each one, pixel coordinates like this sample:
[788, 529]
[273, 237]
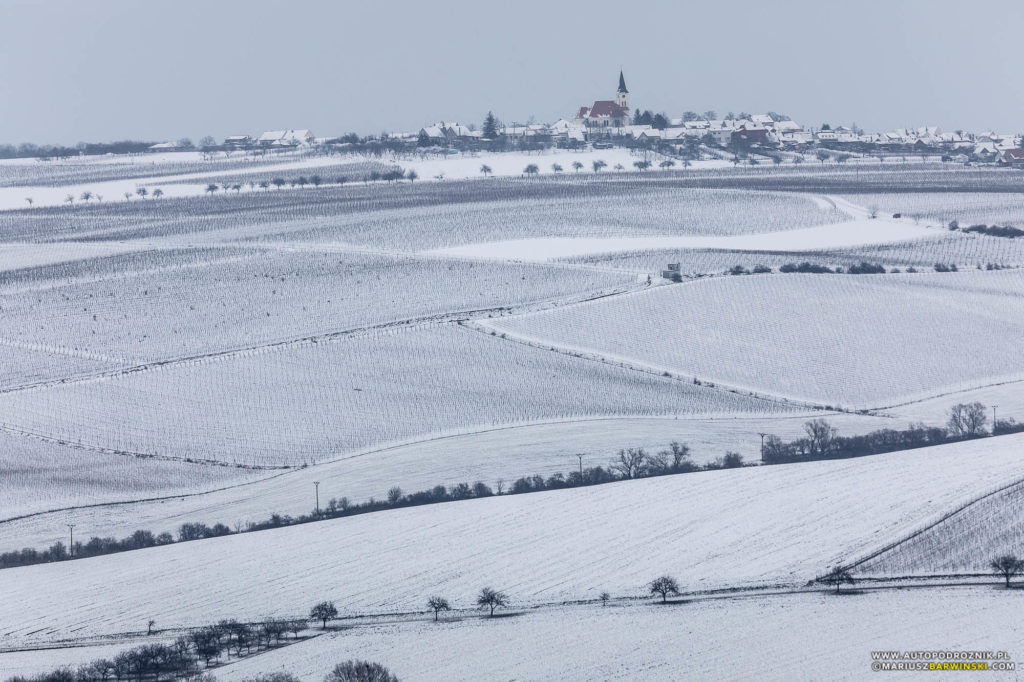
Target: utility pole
[762, 444]
[71, 547]
[317, 484]
[994, 419]
[581, 467]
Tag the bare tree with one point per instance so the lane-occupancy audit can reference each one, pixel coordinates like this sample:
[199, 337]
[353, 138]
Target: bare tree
[604, 597]
[577, 166]
[967, 420]
[556, 168]
[296, 626]
[1007, 566]
[438, 604]
[598, 165]
[663, 586]
[360, 671]
[630, 463]
[142, 192]
[531, 169]
[489, 598]
[672, 460]
[157, 193]
[486, 170]
[820, 436]
[837, 576]
[324, 611]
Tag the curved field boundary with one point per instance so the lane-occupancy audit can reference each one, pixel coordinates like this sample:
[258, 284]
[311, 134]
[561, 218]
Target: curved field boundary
[942, 519]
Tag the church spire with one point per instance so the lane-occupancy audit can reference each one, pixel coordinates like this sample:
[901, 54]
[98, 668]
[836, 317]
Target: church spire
[622, 83]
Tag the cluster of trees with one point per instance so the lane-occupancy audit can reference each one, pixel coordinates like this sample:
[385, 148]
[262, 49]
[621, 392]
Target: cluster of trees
[186, 656]
[104, 670]
[648, 118]
[1007, 231]
[822, 441]
[97, 546]
[49, 151]
[862, 268]
[393, 175]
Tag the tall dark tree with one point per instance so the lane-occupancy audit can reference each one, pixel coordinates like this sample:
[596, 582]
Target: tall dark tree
[490, 130]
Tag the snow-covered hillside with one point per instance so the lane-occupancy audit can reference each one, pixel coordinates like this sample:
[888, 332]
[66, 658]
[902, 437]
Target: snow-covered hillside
[777, 525]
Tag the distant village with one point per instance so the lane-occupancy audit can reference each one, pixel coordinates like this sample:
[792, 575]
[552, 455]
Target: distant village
[613, 122]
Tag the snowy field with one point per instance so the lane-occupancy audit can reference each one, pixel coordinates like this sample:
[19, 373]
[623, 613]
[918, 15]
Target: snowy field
[591, 211]
[696, 640]
[968, 208]
[810, 337]
[499, 454]
[772, 525]
[691, 640]
[382, 334]
[966, 251]
[191, 306]
[965, 542]
[307, 402]
[848, 234]
[39, 476]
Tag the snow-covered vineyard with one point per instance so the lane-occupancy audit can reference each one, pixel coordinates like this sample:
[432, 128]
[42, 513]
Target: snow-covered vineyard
[343, 390]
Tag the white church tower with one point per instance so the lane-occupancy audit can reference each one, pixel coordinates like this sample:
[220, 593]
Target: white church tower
[622, 99]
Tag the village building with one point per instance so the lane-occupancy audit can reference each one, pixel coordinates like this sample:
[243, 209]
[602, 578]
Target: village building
[607, 113]
[285, 138]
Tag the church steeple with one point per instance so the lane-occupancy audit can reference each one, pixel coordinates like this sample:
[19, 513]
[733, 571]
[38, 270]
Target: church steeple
[622, 98]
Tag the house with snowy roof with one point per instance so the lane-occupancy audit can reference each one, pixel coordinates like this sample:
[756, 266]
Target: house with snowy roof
[1013, 158]
[285, 138]
[445, 132]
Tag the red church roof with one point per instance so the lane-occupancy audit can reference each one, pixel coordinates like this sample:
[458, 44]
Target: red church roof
[607, 108]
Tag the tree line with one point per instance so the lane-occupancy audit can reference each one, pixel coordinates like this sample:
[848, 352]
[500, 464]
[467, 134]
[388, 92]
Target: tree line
[628, 464]
[821, 441]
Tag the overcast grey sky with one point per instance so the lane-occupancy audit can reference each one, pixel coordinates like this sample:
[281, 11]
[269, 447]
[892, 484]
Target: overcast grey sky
[75, 70]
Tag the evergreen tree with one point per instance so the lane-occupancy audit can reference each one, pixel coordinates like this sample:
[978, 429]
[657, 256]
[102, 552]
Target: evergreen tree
[490, 126]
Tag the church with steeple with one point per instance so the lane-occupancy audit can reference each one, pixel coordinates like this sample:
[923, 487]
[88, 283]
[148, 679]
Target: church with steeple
[607, 113]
